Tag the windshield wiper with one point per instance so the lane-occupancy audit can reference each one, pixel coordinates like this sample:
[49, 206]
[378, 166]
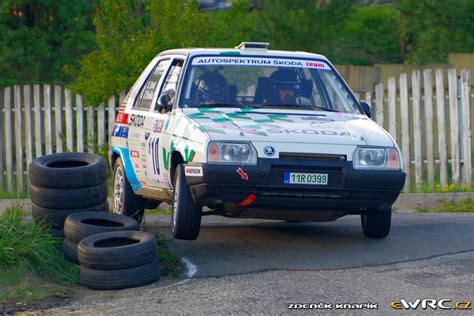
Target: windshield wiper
[298, 106]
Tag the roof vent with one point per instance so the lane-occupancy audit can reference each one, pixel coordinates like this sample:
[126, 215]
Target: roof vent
[253, 45]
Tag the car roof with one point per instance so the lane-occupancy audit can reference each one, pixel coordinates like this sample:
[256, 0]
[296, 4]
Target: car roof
[241, 52]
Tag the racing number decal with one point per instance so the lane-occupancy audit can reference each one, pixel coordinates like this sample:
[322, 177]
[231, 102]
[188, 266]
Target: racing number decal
[153, 152]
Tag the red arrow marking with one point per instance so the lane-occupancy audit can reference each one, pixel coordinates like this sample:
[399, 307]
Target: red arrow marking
[242, 174]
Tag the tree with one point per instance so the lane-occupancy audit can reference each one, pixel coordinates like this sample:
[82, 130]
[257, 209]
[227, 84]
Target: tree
[431, 29]
[39, 37]
[130, 33]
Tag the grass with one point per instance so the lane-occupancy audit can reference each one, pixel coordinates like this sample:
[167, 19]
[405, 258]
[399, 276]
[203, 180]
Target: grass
[461, 187]
[463, 206]
[158, 211]
[32, 263]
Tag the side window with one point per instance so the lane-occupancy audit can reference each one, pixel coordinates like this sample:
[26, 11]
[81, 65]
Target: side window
[145, 97]
[171, 81]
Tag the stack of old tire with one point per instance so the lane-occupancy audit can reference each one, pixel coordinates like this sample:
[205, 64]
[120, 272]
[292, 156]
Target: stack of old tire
[66, 183]
[112, 253]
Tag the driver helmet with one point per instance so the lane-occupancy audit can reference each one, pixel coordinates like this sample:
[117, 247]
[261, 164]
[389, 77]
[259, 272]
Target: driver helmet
[285, 79]
[211, 87]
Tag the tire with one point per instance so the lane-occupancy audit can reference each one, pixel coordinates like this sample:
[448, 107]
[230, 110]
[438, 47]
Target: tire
[117, 250]
[120, 279]
[186, 218]
[55, 218]
[70, 251]
[124, 200]
[68, 198]
[81, 225]
[376, 222]
[68, 171]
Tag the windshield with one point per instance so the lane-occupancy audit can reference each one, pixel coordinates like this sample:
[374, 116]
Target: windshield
[281, 83]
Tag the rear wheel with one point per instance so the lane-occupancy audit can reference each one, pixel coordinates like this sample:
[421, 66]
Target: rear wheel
[376, 222]
[125, 201]
[186, 220]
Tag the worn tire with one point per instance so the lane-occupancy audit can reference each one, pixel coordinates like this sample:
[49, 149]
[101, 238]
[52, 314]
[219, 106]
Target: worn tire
[117, 250]
[81, 225]
[70, 250]
[55, 218]
[376, 223]
[68, 171]
[186, 218]
[120, 279]
[125, 201]
[68, 198]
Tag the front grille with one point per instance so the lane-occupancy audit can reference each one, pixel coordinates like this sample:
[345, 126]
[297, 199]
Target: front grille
[311, 156]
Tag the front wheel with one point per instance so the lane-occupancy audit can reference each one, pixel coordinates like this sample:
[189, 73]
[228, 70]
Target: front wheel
[186, 219]
[125, 201]
[376, 222]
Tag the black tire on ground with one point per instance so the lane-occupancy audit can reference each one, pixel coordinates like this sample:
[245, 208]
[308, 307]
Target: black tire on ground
[186, 218]
[376, 223]
[117, 250]
[56, 233]
[70, 251]
[55, 218]
[124, 200]
[68, 171]
[68, 198]
[120, 279]
[81, 225]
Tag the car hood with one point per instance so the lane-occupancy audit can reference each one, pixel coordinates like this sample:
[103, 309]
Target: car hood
[289, 126]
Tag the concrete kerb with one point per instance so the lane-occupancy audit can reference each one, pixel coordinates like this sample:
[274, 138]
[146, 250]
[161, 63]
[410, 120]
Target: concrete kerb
[406, 201]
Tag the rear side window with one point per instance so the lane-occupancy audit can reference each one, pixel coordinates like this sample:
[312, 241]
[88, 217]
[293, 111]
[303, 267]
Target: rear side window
[145, 97]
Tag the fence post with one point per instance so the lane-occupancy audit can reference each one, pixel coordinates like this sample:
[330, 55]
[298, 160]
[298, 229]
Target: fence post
[415, 88]
[428, 92]
[379, 98]
[111, 115]
[18, 139]
[443, 156]
[466, 124]
[454, 124]
[405, 130]
[100, 126]
[7, 96]
[69, 120]
[58, 115]
[47, 118]
[37, 112]
[90, 129]
[392, 107]
[28, 124]
[80, 122]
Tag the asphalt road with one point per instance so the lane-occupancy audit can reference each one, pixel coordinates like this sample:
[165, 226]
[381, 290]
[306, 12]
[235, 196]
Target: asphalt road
[254, 266]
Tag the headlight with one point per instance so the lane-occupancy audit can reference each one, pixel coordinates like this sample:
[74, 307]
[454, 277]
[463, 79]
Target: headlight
[376, 158]
[235, 153]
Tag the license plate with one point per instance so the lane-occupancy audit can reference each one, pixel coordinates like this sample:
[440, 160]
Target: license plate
[305, 178]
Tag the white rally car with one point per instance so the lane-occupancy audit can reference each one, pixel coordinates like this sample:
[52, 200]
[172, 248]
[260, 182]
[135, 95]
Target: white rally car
[251, 132]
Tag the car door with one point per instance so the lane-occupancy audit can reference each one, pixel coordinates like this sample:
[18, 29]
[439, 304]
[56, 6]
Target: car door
[139, 113]
[155, 122]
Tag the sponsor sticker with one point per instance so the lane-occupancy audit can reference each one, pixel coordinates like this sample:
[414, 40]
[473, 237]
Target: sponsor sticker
[157, 126]
[254, 61]
[134, 154]
[122, 118]
[191, 171]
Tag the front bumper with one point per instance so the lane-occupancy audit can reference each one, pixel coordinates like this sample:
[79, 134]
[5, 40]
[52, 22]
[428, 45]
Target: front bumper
[349, 190]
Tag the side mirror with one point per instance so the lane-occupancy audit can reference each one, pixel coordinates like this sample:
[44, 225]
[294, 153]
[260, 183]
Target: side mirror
[164, 102]
[366, 107]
